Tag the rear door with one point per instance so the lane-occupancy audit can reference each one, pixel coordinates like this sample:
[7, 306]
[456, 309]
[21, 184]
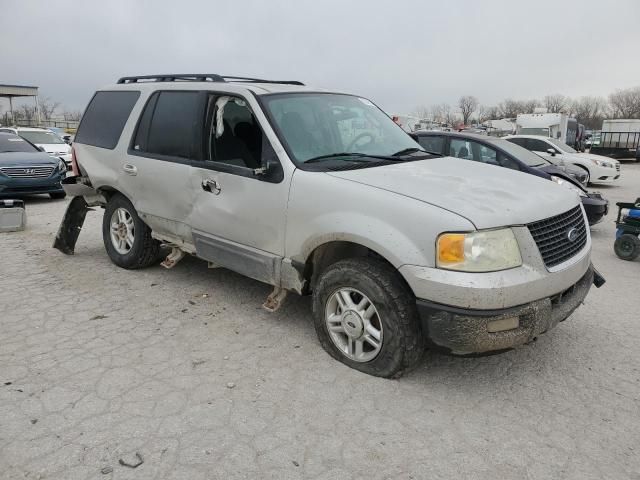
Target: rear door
[156, 171]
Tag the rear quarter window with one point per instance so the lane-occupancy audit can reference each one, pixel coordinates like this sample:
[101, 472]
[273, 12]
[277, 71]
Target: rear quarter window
[105, 118]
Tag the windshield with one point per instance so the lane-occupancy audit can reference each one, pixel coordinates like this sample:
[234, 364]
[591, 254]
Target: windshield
[521, 153]
[13, 143]
[44, 138]
[322, 124]
[562, 146]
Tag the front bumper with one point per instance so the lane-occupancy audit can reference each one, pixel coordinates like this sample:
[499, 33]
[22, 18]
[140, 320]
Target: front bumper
[604, 174]
[30, 186]
[466, 331]
[596, 207]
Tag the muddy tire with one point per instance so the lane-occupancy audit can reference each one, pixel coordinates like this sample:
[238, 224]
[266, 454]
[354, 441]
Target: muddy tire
[127, 239]
[365, 316]
[627, 247]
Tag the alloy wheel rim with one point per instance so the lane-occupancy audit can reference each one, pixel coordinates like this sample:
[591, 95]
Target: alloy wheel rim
[122, 231]
[354, 324]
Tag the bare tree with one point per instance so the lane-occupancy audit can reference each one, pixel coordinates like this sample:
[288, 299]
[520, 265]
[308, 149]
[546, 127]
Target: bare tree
[441, 112]
[421, 111]
[529, 106]
[48, 108]
[25, 113]
[590, 111]
[72, 115]
[556, 103]
[467, 104]
[625, 103]
[510, 108]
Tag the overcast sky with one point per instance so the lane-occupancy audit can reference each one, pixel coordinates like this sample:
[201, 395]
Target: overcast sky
[399, 53]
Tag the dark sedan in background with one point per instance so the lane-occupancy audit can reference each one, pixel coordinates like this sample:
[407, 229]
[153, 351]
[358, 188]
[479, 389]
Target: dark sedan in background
[495, 151]
[26, 170]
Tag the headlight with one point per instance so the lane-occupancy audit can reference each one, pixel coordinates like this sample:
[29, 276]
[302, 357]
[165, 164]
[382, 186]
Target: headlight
[602, 163]
[569, 185]
[483, 251]
[62, 166]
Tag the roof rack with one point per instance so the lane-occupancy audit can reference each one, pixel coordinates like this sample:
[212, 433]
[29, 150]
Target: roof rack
[200, 77]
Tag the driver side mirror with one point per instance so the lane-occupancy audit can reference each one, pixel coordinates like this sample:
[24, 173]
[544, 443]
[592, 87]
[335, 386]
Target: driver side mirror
[551, 152]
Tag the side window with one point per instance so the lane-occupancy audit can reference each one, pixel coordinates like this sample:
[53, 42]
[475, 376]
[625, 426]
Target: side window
[434, 144]
[519, 141]
[508, 162]
[105, 118]
[234, 136]
[460, 149]
[168, 124]
[484, 154]
[536, 145]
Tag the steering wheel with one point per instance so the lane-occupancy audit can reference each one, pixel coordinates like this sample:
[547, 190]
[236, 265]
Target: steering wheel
[360, 137]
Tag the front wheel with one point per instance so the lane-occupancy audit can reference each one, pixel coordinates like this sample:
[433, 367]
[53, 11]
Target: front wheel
[627, 246]
[126, 237]
[366, 317]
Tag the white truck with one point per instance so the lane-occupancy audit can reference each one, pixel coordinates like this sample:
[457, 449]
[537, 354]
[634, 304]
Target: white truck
[552, 125]
[619, 138]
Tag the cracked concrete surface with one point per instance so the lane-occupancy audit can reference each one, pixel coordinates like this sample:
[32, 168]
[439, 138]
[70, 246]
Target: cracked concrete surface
[98, 363]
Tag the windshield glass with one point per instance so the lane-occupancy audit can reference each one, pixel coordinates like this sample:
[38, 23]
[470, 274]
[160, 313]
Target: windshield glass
[13, 143]
[320, 124]
[562, 146]
[522, 154]
[44, 138]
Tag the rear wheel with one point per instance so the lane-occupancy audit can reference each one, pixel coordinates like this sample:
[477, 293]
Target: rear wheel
[126, 237]
[366, 317]
[627, 246]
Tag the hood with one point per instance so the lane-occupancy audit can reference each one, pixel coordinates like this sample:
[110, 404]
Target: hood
[26, 159]
[488, 196]
[57, 148]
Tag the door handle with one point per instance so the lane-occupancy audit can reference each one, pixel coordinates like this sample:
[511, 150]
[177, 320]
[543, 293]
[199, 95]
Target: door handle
[130, 169]
[210, 185]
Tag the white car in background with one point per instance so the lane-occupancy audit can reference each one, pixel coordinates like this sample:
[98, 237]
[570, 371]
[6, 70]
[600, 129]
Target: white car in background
[600, 169]
[44, 139]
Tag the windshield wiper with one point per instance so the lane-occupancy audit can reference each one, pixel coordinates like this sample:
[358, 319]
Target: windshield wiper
[407, 151]
[358, 157]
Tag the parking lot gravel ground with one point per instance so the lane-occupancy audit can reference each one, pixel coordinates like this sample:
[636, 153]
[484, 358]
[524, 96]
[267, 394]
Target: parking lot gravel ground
[184, 368]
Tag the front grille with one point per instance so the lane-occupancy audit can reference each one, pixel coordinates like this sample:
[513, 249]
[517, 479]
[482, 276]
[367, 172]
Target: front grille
[552, 236]
[27, 172]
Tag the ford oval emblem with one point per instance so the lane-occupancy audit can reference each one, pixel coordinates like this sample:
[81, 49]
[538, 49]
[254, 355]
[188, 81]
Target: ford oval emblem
[572, 234]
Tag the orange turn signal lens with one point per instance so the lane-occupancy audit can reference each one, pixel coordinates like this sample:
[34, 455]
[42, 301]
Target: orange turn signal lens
[451, 248]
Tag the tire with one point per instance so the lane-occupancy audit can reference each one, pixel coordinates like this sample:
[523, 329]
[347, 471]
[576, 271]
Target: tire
[627, 246]
[588, 180]
[57, 195]
[396, 317]
[143, 250]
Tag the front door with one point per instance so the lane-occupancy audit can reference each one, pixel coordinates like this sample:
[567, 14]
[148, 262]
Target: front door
[238, 215]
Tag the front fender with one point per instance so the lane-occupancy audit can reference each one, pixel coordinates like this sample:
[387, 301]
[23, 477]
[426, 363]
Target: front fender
[323, 208]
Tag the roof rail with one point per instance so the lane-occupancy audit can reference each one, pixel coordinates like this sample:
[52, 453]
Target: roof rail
[174, 77]
[200, 77]
[261, 80]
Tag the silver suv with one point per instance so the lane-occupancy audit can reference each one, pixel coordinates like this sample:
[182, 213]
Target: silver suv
[321, 193]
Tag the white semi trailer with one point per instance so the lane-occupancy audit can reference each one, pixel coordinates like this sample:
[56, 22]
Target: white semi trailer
[552, 125]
